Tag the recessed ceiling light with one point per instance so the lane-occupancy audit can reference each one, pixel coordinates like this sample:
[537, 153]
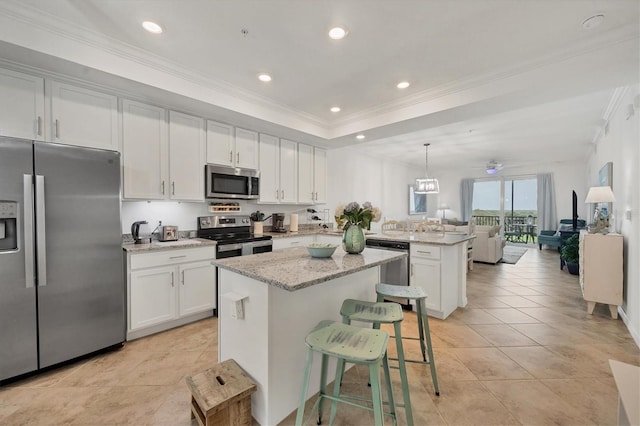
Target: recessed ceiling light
[152, 27]
[403, 85]
[338, 33]
[335, 109]
[264, 77]
[593, 21]
[360, 137]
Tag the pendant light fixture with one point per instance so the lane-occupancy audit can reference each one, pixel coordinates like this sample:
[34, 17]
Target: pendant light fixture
[426, 185]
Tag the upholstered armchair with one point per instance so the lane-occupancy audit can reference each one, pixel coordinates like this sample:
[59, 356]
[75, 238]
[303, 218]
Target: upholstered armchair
[488, 245]
[554, 238]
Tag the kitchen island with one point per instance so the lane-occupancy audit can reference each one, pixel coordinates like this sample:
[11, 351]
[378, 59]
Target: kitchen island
[268, 304]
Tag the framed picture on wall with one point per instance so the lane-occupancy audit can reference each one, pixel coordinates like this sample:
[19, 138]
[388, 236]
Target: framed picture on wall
[605, 178]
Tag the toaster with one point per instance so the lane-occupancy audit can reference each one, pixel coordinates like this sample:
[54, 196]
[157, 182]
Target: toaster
[168, 233]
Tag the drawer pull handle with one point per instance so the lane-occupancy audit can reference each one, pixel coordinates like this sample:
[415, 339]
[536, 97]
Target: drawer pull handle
[177, 257]
[424, 252]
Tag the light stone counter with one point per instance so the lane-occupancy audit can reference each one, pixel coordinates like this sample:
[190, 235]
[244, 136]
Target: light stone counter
[168, 245]
[294, 269]
[448, 239]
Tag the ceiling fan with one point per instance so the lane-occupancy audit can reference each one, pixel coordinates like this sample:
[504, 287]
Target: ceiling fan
[493, 167]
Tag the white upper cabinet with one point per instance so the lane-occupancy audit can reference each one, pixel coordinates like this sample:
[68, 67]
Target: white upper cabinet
[83, 117]
[288, 171]
[278, 170]
[320, 175]
[144, 151]
[220, 143]
[21, 105]
[186, 157]
[312, 176]
[305, 174]
[229, 149]
[246, 149]
[269, 167]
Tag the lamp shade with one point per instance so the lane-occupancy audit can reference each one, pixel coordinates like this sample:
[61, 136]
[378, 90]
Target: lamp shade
[600, 194]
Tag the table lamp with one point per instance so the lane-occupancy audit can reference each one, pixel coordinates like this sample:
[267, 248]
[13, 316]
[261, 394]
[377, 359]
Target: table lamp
[600, 194]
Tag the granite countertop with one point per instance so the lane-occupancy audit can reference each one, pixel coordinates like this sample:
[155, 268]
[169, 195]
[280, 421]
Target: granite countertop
[294, 269]
[448, 239]
[169, 245]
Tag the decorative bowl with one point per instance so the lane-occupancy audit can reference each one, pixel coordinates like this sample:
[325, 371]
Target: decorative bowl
[321, 249]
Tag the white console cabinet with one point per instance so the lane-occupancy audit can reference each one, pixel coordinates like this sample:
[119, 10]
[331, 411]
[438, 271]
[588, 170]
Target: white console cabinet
[601, 270]
[169, 288]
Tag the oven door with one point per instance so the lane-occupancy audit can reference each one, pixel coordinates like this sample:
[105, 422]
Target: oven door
[243, 249]
[224, 251]
[262, 246]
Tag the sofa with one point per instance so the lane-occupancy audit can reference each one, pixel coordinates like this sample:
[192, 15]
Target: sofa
[488, 245]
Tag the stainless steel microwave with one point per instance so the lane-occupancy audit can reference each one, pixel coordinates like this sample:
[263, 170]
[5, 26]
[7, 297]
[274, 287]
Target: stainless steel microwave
[231, 182]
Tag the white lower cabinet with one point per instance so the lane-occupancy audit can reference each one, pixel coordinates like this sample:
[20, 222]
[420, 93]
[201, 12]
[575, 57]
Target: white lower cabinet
[441, 272]
[169, 288]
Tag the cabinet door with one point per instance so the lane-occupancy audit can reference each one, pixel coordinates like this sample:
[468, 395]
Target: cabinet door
[197, 287]
[152, 297]
[83, 117]
[305, 174]
[320, 175]
[426, 274]
[186, 157]
[246, 149]
[21, 105]
[288, 242]
[269, 167]
[144, 151]
[288, 171]
[219, 143]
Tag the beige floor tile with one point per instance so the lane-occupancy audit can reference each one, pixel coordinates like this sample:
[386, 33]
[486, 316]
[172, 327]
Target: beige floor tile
[472, 316]
[511, 315]
[469, 403]
[503, 335]
[490, 364]
[517, 302]
[543, 363]
[596, 402]
[531, 402]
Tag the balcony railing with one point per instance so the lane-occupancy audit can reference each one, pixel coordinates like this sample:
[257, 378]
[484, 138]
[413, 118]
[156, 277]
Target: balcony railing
[516, 228]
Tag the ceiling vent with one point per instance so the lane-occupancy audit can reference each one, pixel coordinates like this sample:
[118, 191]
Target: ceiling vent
[493, 167]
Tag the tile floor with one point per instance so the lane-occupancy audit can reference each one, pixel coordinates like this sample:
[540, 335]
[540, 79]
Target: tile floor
[523, 351]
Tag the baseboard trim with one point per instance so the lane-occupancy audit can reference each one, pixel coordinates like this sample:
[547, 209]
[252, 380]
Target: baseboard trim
[625, 319]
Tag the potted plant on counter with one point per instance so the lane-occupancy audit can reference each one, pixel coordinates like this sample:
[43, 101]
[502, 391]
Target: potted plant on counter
[570, 253]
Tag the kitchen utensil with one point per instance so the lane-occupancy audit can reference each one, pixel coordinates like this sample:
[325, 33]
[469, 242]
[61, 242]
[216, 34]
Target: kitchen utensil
[321, 250]
[135, 232]
[168, 233]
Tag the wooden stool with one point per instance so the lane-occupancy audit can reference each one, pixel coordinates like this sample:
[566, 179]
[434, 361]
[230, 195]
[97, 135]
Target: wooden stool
[417, 294]
[221, 395]
[376, 314]
[348, 344]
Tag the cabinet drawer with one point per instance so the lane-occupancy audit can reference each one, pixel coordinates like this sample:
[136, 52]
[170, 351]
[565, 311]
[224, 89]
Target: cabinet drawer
[171, 257]
[425, 251]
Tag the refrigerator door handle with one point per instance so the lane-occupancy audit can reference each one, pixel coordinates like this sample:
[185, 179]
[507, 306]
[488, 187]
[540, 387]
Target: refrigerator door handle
[41, 242]
[29, 269]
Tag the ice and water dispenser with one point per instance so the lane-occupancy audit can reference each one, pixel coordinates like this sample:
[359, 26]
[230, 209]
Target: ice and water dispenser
[8, 225]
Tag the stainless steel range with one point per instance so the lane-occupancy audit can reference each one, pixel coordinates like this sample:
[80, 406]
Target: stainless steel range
[233, 235]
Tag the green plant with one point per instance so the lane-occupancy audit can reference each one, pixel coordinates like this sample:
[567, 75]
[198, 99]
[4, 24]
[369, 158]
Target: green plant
[353, 214]
[570, 249]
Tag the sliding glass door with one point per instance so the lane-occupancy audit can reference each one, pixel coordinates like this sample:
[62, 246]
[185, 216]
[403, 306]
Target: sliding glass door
[508, 201]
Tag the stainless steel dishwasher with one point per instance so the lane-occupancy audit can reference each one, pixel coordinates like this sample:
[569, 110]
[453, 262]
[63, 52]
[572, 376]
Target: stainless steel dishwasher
[396, 272]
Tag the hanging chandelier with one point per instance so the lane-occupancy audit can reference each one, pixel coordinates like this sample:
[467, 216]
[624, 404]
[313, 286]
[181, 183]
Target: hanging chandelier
[426, 185]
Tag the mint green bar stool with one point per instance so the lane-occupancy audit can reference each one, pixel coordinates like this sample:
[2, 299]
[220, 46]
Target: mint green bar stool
[350, 344]
[417, 294]
[377, 313]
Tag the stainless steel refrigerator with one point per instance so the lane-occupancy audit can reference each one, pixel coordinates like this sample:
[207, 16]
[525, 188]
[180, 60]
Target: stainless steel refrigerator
[62, 290]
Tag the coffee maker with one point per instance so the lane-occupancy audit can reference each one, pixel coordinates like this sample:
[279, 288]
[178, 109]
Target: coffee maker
[278, 222]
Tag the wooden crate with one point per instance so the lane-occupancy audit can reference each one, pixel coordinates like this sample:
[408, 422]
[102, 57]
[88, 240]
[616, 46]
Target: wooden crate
[221, 395]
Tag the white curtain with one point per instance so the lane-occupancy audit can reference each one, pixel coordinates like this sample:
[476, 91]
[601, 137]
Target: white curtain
[546, 203]
[466, 198]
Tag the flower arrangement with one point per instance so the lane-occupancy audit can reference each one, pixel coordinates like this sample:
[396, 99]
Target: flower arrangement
[354, 214]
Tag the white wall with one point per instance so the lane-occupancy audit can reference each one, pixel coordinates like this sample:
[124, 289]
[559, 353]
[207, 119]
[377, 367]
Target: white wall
[620, 146]
[355, 176]
[567, 177]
